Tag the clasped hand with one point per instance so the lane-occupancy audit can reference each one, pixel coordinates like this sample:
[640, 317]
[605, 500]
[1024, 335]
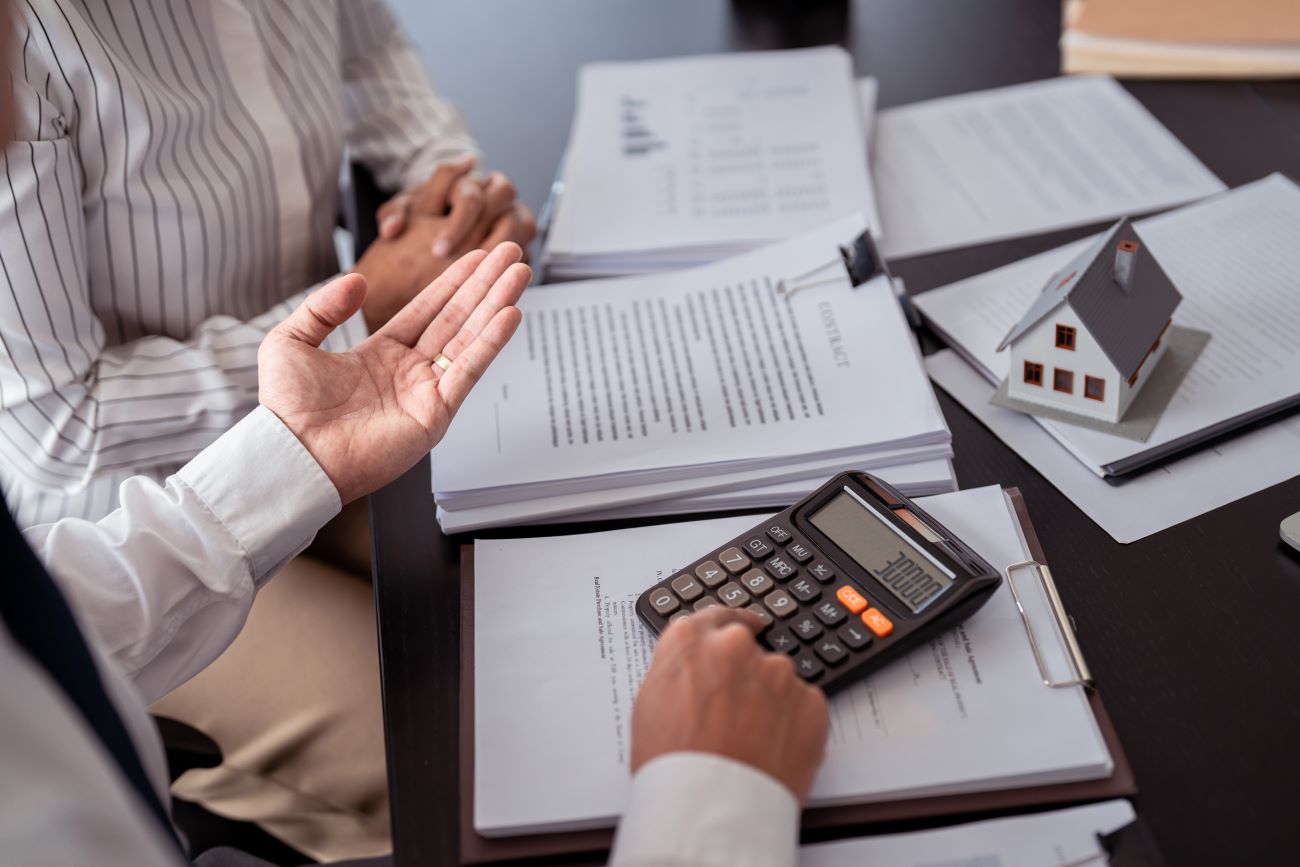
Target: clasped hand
[422, 229]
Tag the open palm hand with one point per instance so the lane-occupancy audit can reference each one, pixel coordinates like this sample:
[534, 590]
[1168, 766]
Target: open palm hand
[369, 414]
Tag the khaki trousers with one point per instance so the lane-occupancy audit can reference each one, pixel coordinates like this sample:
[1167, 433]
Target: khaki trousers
[294, 705]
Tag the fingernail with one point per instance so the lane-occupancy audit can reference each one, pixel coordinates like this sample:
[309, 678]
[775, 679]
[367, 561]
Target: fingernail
[387, 224]
[442, 248]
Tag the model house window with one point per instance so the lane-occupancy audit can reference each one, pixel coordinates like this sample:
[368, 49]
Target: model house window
[1064, 337]
[1094, 387]
[1063, 380]
[1033, 373]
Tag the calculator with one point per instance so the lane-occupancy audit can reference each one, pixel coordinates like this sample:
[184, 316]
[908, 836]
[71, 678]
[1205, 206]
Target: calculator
[850, 577]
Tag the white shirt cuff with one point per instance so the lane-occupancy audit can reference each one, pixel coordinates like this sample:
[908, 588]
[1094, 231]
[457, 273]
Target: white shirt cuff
[265, 488]
[703, 810]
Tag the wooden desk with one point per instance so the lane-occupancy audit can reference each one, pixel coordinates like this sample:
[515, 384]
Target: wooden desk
[1194, 634]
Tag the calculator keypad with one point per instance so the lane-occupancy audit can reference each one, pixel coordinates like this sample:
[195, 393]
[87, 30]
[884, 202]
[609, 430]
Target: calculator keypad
[780, 640]
[780, 603]
[850, 599]
[803, 590]
[799, 551]
[734, 560]
[819, 619]
[779, 568]
[757, 582]
[778, 533]
[710, 573]
[687, 588]
[733, 595]
[821, 571]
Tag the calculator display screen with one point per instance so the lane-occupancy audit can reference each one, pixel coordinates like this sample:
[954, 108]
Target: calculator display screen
[882, 550]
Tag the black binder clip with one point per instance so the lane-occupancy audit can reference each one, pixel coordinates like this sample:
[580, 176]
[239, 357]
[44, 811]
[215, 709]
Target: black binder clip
[1129, 846]
[862, 262]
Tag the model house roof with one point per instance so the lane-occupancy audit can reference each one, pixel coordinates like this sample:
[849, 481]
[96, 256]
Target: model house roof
[1123, 312]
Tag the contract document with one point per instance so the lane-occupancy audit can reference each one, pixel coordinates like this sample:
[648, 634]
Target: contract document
[1234, 258]
[1024, 160]
[967, 712]
[1053, 839]
[660, 386]
[682, 161]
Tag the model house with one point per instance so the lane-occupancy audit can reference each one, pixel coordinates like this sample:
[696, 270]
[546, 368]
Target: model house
[1088, 343]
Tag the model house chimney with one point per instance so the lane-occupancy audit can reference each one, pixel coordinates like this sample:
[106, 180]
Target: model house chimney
[1125, 264]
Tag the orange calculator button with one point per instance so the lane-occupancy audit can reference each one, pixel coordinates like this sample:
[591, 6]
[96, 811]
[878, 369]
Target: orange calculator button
[877, 622]
[851, 599]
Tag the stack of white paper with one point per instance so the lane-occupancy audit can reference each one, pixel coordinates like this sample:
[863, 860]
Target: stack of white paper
[1057, 837]
[1234, 258]
[702, 389]
[967, 712]
[678, 162]
[1023, 160]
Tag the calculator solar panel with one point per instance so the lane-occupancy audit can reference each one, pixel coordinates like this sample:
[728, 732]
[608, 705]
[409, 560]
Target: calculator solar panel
[848, 578]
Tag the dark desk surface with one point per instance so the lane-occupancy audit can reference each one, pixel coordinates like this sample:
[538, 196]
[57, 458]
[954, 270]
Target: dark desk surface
[1192, 634]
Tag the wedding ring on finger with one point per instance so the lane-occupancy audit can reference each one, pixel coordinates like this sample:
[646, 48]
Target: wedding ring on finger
[442, 361]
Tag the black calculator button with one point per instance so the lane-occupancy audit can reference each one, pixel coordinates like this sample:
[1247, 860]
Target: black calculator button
[710, 573]
[761, 613]
[803, 590]
[821, 571]
[829, 613]
[778, 534]
[663, 601]
[780, 640]
[807, 666]
[831, 651]
[780, 603]
[733, 595]
[855, 635]
[757, 582]
[757, 547]
[779, 568]
[687, 587]
[806, 627]
[799, 551]
[734, 560]
[706, 602]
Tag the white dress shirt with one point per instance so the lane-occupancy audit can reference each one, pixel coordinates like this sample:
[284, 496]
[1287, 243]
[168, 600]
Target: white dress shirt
[171, 196]
[163, 585]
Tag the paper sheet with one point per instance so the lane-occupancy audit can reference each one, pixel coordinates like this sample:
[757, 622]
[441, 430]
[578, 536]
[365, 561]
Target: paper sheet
[1024, 160]
[692, 374]
[1235, 260]
[967, 712]
[1040, 840]
[711, 151]
[737, 491]
[1151, 501]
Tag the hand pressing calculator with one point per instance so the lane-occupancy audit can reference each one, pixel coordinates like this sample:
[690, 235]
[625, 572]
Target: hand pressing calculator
[845, 580]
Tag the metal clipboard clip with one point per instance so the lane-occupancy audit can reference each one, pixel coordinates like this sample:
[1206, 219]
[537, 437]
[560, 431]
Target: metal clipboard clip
[1082, 676]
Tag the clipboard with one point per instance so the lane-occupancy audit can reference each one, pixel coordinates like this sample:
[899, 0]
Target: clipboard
[477, 849]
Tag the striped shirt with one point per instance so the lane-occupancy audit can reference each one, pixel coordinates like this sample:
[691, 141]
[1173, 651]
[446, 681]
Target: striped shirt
[171, 196]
